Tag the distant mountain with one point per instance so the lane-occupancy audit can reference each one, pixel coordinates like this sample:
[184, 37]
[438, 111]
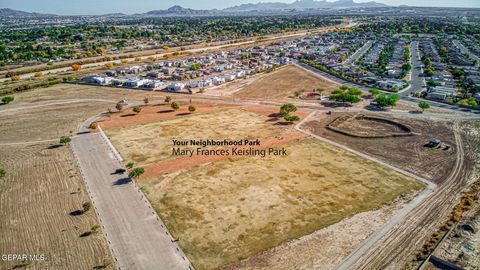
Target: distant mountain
[179, 11]
[303, 4]
[7, 12]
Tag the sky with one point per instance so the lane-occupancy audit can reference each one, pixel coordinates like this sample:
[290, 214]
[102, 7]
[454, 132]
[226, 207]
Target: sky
[94, 7]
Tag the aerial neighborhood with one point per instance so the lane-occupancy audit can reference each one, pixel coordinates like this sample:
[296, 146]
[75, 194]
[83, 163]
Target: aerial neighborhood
[300, 134]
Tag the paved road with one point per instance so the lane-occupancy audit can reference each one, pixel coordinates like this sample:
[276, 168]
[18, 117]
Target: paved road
[466, 51]
[358, 53]
[417, 82]
[136, 236]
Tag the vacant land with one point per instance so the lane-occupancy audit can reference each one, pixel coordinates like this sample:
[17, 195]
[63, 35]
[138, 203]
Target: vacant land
[66, 91]
[152, 142]
[408, 152]
[46, 122]
[283, 83]
[232, 209]
[40, 190]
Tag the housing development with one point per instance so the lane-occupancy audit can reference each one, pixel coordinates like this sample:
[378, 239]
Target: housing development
[276, 135]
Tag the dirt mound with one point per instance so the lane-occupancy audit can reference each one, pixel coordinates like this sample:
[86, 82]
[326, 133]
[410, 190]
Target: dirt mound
[362, 126]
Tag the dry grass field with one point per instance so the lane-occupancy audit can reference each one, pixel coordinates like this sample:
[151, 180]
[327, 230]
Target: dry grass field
[77, 91]
[152, 142]
[234, 208]
[42, 187]
[282, 83]
[40, 190]
[45, 123]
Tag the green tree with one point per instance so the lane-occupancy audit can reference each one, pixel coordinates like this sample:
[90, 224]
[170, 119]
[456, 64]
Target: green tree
[346, 94]
[407, 67]
[287, 108]
[423, 105]
[2, 172]
[291, 118]
[374, 92]
[136, 173]
[168, 99]
[137, 109]
[65, 140]
[146, 101]
[192, 108]
[390, 100]
[7, 99]
[195, 66]
[175, 105]
[427, 61]
[130, 165]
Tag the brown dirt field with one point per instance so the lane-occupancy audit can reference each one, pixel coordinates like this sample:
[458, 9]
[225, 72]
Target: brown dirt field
[169, 166]
[156, 112]
[229, 210]
[41, 187]
[45, 123]
[407, 152]
[282, 83]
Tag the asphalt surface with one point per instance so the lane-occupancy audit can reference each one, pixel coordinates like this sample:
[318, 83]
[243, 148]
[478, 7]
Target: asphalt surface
[358, 53]
[136, 236]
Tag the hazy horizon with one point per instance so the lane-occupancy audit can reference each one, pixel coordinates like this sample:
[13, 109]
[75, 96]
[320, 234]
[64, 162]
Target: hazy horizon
[95, 7]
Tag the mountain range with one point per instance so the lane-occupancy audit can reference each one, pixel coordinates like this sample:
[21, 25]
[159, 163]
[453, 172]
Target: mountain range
[260, 6]
[304, 4]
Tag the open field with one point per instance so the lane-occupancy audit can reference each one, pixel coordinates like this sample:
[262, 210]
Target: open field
[282, 83]
[327, 247]
[407, 152]
[77, 91]
[45, 123]
[152, 142]
[232, 209]
[42, 187]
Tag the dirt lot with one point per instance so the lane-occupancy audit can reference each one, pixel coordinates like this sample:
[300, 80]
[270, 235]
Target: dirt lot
[360, 125]
[152, 142]
[232, 209]
[283, 83]
[41, 188]
[157, 112]
[405, 152]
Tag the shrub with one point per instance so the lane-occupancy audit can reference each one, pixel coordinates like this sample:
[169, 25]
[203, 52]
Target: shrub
[65, 140]
[175, 105]
[7, 99]
[137, 109]
[86, 207]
